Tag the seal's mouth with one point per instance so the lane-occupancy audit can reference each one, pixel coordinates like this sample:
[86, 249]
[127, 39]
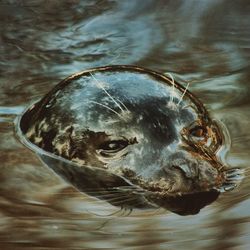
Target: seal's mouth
[187, 177]
[203, 176]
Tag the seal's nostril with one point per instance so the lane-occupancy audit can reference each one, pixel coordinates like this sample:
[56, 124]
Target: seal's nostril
[186, 169]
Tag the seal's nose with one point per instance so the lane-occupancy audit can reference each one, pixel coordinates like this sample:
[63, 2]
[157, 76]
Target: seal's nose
[185, 164]
[186, 169]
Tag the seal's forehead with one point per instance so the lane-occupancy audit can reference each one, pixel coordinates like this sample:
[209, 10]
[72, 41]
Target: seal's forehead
[100, 95]
[134, 84]
[124, 83]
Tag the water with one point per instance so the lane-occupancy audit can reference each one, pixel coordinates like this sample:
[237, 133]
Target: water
[203, 42]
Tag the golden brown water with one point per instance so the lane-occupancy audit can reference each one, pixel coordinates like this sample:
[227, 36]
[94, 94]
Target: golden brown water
[41, 42]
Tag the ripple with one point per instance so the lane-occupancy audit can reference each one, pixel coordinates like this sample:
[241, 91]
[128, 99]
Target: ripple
[16, 110]
[205, 43]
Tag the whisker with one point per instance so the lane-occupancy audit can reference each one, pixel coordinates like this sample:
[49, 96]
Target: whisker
[173, 86]
[113, 190]
[85, 191]
[116, 212]
[106, 215]
[134, 188]
[115, 199]
[104, 224]
[102, 192]
[186, 106]
[119, 202]
[105, 194]
[120, 198]
[154, 211]
[107, 107]
[122, 211]
[111, 97]
[116, 188]
[122, 104]
[171, 103]
[133, 206]
[127, 211]
[184, 92]
[112, 197]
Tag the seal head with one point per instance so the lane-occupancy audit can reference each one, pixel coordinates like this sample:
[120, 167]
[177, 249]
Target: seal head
[136, 124]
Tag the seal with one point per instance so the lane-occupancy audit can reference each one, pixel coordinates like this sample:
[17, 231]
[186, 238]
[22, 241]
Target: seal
[138, 129]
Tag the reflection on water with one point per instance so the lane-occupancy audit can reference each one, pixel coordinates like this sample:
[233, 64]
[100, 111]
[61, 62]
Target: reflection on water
[41, 42]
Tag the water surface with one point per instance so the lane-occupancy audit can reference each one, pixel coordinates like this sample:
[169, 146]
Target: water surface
[206, 43]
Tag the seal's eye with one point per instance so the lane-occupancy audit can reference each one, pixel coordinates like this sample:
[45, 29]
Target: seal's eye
[110, 148]
[198, 131]
[114, 145]
[207, 136]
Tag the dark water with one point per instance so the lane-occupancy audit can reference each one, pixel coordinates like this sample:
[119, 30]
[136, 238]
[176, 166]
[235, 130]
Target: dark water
[204, 42]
